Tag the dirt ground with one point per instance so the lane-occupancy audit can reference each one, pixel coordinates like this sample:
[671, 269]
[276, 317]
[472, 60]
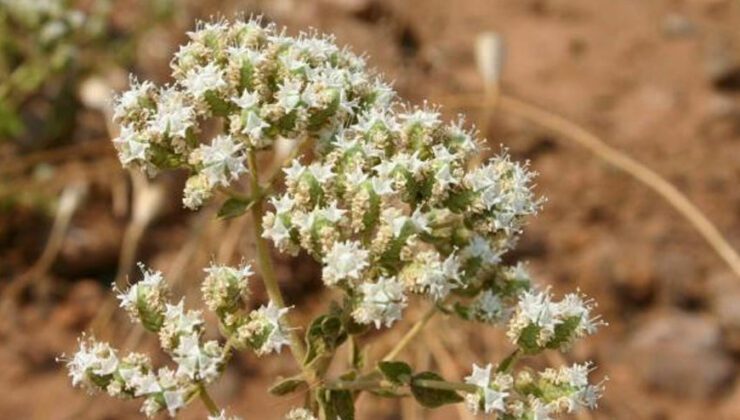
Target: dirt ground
[657, 79]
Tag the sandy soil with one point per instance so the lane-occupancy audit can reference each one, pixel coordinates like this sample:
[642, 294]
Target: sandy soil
[658, 80]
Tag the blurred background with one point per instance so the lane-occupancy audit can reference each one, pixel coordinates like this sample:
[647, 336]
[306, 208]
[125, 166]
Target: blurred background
[658, 80]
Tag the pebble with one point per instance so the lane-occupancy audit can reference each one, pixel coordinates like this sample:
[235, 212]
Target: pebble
[681, 354]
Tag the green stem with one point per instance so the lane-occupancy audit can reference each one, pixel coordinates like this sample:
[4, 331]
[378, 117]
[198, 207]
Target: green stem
[510, 361]
[444, 385]
[378, 384]
[265, 262]
[207, 400]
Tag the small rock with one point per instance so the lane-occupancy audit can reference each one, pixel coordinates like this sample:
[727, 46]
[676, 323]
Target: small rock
[722, 63]
[677, 26]
[681, 354]
[725, 295]
[679, 277]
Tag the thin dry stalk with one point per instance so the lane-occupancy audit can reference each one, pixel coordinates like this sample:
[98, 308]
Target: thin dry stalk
[447, 365]
[69, 202]
[573, 132]
[146, 205]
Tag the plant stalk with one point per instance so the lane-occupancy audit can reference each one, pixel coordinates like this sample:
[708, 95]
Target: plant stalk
[208, 401]
[265, 263]
[411, 334]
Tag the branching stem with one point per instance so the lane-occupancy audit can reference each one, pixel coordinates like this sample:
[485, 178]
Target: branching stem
[265, 263]
[207, 400]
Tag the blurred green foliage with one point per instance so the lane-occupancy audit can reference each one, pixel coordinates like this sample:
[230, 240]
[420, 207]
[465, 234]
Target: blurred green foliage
[48, 47]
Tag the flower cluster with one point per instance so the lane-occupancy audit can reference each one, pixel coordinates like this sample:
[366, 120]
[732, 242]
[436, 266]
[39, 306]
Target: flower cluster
[299, 414]
[97, 367]
[541, 323]
[540, 395]
[260, 83]
[390, 207]
[223, 416]
[390, 204]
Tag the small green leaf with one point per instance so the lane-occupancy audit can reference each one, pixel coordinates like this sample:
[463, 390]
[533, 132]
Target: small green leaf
[315, 346]
[432, 397]
[219, 107]
[397, 372]
[528, 339]
[287, 386]
[337, 405]
[234, 207]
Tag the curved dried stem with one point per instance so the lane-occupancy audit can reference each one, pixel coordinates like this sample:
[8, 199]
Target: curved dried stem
[619, 160]
[411, 334]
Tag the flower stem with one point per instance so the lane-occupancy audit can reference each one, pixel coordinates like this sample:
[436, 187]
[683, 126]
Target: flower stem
[207, 400]
[377, 384]
[508, 363]
[265, 260]
[444, 385]
[411, 334]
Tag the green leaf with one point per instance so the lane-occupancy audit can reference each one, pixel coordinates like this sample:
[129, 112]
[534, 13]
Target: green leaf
[432, 397]
[286, 386]
[234, 207]
[564, 332]
[337, 405]
[323, 336]
[528, 339]
[397, 372]
[219, 107]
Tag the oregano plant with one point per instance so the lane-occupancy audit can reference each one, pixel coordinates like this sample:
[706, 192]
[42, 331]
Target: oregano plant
[382, 194]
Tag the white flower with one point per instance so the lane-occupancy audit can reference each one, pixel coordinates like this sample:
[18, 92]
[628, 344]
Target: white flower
[145, 384]
[152, 280]
[203, 79]
[222, 160]
[294, 171]
[382, 302]
[332, 213]
[225, 287]
[289, 94]
[479, 247]
[283, 204]
[537, 308]
[178, 323]
[299, 414]
[198, 189]
[131, 99]
[492, 399]
[382, 186]
[131, 145]
[277, 232]
[222, 416]
[488, 307]
[174, 400]
[247, 100]
[265, 330]
[195, 362]
[434, 277]
[322, 173]
[345, 261]
[92, 358]
[173, 116]
[254, 125]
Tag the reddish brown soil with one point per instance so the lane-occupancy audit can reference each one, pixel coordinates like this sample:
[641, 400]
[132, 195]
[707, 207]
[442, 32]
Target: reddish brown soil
[658, 80]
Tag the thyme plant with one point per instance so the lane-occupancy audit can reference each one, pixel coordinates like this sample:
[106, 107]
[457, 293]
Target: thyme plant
[382, 197]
